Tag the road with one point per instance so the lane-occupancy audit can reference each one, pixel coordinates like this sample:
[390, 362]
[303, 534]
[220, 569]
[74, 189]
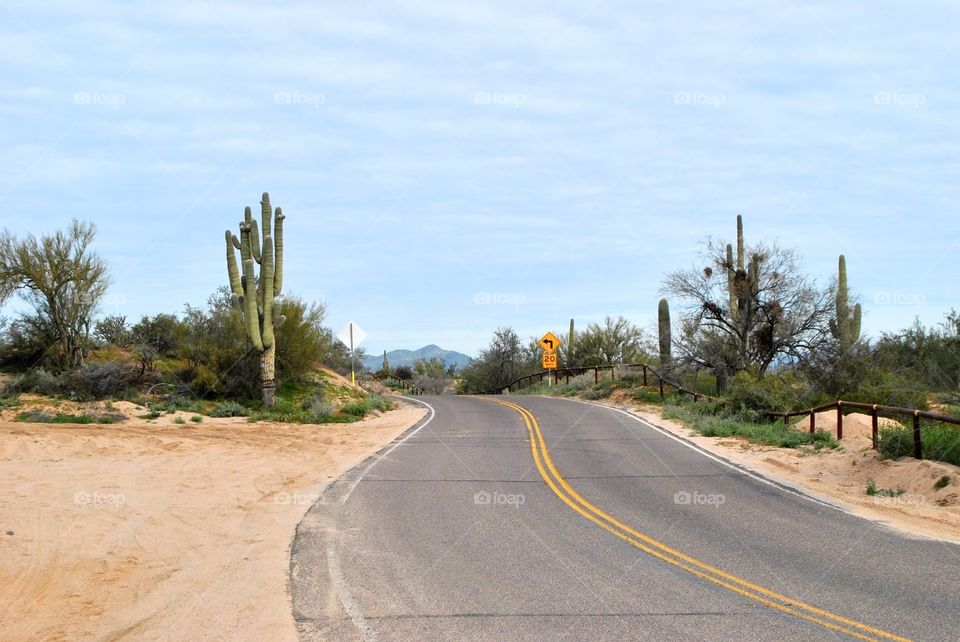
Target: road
[545, 519]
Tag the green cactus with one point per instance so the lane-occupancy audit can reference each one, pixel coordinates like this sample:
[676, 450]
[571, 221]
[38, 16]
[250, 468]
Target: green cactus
[663, 323]
[742, 278]
[846, 326]
[257, 297]
[571, 336]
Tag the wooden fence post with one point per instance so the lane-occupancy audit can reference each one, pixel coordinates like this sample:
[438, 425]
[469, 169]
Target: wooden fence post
[644, 375]
[839, 420]
[813, 422]
[917, 444]
[875, 428]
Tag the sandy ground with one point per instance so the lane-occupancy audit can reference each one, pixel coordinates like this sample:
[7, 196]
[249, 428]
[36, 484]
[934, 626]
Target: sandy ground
[842, 475]
[154, 531]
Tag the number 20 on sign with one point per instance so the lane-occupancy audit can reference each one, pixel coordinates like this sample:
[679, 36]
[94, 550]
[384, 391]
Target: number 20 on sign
[549, 360]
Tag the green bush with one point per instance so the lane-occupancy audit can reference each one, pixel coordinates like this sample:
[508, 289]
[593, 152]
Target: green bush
[891, 389]
[698, 416]
[229, 409]
[751, 397]
[42, 417]
[939, 441]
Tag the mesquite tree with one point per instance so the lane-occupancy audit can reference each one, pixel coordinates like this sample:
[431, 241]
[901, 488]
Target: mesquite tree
[63, 279]
[256, 296]
[747, 311]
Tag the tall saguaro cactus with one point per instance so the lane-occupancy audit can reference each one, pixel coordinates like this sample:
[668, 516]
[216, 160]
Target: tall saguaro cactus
[256, 296]
[663, 325]
[846, 326]
[571, 337]
[742, 279]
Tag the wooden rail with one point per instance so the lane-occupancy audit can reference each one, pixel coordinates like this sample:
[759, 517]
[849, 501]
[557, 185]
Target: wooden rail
[410, 387]
[566, 373]
[875, 412]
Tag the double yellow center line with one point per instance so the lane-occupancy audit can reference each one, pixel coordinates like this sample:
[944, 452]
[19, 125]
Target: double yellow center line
[796, 608]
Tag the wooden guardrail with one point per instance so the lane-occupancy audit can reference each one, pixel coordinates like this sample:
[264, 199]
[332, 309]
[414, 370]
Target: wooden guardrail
[876, 410]
[567, 373]
[409, 386]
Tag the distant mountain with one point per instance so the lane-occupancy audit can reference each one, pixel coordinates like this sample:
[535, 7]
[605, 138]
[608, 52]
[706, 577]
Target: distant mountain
[407, 357]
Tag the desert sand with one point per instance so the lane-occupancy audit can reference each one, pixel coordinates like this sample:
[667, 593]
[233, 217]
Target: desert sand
[163, 531]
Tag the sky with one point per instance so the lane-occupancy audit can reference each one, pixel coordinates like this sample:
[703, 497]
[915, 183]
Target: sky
[448, 168]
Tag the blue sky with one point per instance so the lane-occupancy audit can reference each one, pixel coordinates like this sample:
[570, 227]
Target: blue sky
[448, 169]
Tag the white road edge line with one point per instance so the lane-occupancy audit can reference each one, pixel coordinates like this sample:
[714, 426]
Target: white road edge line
[343, 593]
[333, 562]
[783, 486]
[382, 455]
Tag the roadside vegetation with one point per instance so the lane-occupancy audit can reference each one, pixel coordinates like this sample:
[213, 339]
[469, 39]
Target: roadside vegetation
[754, 332]
[59, 346]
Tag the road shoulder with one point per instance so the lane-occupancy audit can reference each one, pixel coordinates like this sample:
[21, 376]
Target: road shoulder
[837, 478]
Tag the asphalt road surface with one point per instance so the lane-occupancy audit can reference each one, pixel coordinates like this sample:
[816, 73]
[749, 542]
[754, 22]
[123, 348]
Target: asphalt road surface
[526, 518]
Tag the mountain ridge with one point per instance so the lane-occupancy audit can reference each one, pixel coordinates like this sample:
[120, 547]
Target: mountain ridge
[404, 357]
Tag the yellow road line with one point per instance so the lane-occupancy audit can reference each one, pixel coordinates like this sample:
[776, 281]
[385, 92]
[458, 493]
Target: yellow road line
[565, 492]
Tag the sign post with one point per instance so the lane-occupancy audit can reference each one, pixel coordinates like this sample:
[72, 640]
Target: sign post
[352, 336]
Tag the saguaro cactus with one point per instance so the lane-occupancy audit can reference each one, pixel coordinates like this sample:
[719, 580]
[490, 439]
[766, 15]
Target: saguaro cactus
[571, 336]
[663, 324]
[256, 296]
[846, 326]
[742, 279]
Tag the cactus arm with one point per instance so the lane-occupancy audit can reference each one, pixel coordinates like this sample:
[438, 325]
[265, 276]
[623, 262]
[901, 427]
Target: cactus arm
[250, 316]
[278, 253]
[233, 272]
[266, 285]
[741, 258]
[255, 242]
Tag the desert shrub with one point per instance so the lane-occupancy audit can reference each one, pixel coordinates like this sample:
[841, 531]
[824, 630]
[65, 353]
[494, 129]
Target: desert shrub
[99, 380]
[112, 329]
[204, 382]
[751, 397]
[44, 417]
[39, 381]
[891, 389]
[318, 404]
[27, 342]
[939, 441]
[698, 416]
[163, 332]
[229, 409]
